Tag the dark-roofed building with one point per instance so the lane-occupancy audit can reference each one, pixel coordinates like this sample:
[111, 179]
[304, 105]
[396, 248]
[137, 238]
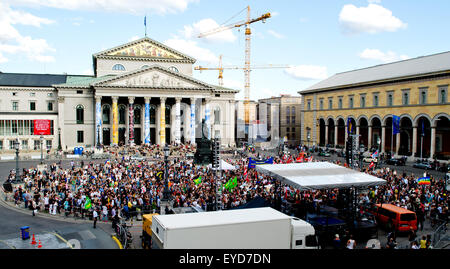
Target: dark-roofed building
[416, 90]
[142, 92]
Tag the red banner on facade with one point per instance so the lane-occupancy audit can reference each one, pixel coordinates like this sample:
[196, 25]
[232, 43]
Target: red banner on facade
[42, 127]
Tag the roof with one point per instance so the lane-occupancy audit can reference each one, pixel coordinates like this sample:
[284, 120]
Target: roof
[215, 218]
[318, 175]
[420, 66]
[76, 81]
[396, 208]
[31, 80]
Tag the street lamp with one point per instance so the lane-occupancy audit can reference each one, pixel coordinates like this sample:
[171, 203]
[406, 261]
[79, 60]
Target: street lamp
[42, 152]
[59, 140]
[16, 147]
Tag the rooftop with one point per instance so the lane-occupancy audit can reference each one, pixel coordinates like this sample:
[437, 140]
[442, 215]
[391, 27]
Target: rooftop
[419, 66]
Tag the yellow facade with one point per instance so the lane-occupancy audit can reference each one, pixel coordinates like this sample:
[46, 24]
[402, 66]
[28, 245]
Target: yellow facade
[435, 108]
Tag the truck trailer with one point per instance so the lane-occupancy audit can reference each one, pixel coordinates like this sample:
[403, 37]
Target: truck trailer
[258, 228]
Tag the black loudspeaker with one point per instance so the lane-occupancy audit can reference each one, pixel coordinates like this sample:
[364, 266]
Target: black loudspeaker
[7, 186]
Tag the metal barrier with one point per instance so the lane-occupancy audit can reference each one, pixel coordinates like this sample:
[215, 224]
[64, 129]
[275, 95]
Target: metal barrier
[438, 234]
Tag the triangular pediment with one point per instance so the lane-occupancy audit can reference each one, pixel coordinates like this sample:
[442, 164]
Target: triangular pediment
[145, 48]
[153, 77]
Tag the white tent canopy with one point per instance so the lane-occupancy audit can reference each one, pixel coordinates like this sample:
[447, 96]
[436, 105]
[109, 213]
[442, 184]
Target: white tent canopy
[318, 175]
[224, 166]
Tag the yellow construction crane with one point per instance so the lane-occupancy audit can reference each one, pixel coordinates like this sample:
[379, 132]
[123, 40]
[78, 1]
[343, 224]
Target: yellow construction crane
[220, 68]
[247, 67]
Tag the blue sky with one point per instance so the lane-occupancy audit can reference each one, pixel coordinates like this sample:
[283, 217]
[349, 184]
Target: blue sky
[316, 38]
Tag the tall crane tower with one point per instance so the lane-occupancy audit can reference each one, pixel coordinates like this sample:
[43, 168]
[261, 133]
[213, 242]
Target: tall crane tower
[247, 67]
[220, 68]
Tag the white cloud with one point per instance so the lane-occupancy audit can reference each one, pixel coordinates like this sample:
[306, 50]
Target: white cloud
[192, 49]
[12, 42]
[205, 25]
[307, 72]
[3, 59]
[375, 54]
[374, 1]
[371, 19]
[122, 6]
[133, 38]
[275, 34]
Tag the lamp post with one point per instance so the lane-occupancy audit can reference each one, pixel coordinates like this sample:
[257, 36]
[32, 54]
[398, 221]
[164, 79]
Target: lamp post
[98, 136]
[166, 192]
[42, 152]
[16, 147]
[59, 139]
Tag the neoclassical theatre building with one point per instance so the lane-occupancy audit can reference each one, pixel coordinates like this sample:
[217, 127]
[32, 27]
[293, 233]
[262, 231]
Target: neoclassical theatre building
[416, 90]
[141, 92]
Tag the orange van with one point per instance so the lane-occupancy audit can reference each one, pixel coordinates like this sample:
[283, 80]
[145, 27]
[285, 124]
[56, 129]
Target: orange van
[394, 217]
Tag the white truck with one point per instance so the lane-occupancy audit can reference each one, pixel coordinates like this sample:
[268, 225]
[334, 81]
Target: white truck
[259, 228]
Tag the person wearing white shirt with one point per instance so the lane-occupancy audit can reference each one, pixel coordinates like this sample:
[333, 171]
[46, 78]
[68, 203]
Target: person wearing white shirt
[95, 216]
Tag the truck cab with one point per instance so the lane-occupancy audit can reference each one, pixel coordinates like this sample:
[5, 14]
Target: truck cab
[303, 235]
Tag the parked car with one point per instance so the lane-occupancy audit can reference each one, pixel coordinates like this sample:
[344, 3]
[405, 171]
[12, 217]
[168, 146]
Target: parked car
[396, 161]
[369, 160]
[424, 165]
[324, 154]
[445, 168]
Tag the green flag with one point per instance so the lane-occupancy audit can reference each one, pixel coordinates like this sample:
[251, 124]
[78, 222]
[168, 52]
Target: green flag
[198, 180]
[231, 184]
[88, 204]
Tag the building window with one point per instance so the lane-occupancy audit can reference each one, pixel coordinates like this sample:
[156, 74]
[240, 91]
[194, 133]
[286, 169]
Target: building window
[168, 110]
[363, 101]
[14, 93]
[80, 136]
[1, 144]
[152, 115]
[443, 95]
[137, 115]
[37, 145]
[48, 144]
[32, 94]
[375, 100]
[118, 67]
[390, 99]
[288, 115]
[293, 115]
[33, 106]
[423, 96]
[405, 98]
[50, 106]
[340, 103]
[15, 106]
[174, 69]
[144, 66]
[24, 144]
[350, 102]
[80, 114]
[50, 94]
[330, 103]
[321, 104]
[309, 104]
[106, 111]
[79, 92]
[217, 115]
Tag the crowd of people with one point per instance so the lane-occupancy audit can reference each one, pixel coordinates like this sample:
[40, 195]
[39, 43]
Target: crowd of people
[123, 185]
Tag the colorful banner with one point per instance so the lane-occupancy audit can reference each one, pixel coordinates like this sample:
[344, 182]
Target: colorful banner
[147, 124]
[192, 122]
[252, 163]
[42, 127]
[395, 124]
[178, 122]
[207, 119]
[162, 135]
[98, 122]
[131, 123]
[424, 181]
[115, 126]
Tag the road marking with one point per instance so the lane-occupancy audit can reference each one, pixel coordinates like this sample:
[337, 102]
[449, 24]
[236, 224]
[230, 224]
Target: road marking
[60, 237]
[117, 241]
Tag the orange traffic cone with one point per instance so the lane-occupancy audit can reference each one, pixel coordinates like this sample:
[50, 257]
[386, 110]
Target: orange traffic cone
[40, 245]
[33, 241]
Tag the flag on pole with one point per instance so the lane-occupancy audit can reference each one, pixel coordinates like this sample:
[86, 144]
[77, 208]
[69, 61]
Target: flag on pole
[88, 203]
[198, 180]
[375, 154]
[349, 126]
[396, 124]
[424, 181]
[231, 184]
[371, 165]
[145, 21]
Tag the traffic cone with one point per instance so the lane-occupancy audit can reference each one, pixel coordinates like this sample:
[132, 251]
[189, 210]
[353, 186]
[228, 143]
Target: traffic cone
[33, 241]
[40, 245]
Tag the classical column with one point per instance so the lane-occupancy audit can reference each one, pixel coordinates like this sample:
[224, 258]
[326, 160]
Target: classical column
[192, 124]
[357, 136]
[397, 143]
[335, 136]
[414, 144]
[345, 133]
[326, 135]
[178, 120]
[98, 120]
[60, 122]
[208, 116]
[147, 121]
[162, 131]
[433, 141]
[131, 120]
[115, 125]
[383, 136]
[369, 137]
